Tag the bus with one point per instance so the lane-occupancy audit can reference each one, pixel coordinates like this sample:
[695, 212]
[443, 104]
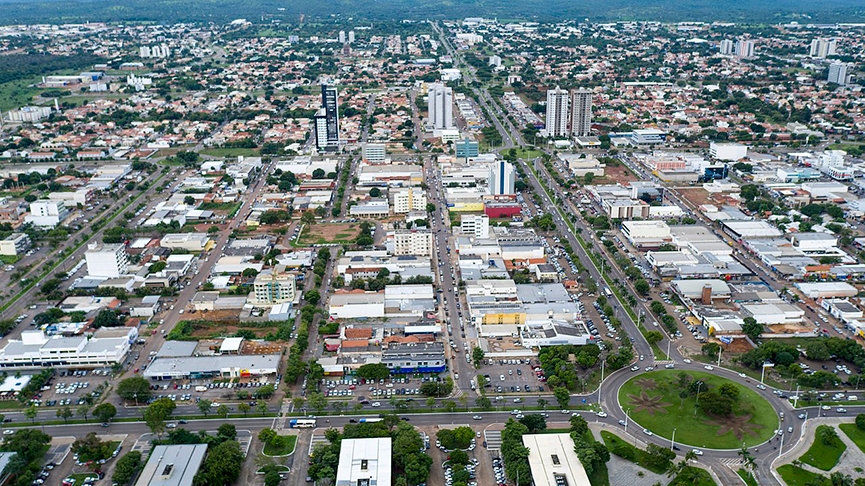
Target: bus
[608, 292]
[369, 420]
[301, 423]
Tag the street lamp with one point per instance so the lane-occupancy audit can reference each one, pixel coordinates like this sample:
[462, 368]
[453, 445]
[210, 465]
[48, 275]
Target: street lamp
[697, 402]
[627, 416]
[673, 440]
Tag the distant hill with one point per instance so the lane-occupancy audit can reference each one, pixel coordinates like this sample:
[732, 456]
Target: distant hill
[743, 11]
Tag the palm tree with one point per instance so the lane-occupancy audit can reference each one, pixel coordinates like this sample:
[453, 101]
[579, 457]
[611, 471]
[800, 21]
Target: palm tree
[747, 459]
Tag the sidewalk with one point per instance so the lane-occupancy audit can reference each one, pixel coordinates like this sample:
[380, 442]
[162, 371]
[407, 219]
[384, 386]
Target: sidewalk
[851, 459]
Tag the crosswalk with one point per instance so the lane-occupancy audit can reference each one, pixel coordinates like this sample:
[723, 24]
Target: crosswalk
[493, 439]
[316, 439]
[733, 463]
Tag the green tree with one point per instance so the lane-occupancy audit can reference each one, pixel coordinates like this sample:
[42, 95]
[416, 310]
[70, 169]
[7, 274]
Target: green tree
[222, 465]
[126, 468]
[83, 411]
[105, 412]
[535, 422]
[65, 413]
[157, 413]
[477, 356]
[261, 408]
[752, 328]
[373, 371]
[135, 388]
[30, 413]
[563, 396]
[860, 421]
[243, 408]
[317, 401]
[312, 297]
[579, 426]
[204, 406]
[654, 337]
[642, 286]
[222, 410]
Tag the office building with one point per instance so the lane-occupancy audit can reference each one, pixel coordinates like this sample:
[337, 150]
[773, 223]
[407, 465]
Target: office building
[364, 462]
[38, 350]
[46, 214]
[412, 242]
[274, 287]
[581, 112]
[837, 73]
[744, 48]
[374, 153]
[15, 244]
[327, 119]
[726, 47]
[476, 225]
[441, 110]
[553, 460]
[406, 200]
[501, 179]
[172, 465]
[466, 148]
[106, 260]
[823, 47]
[557, 113]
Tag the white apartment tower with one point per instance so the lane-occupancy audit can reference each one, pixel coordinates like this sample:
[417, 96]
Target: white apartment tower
[106, 260]
[408, 200]
[726, 47]
[581, 112]
[822, 47]
[342, 37]
[744, 48]
[501, 179]
[557, 112]
[838, 73]
[476, 225]
[350, 36]
[276, 287]
[441, 110]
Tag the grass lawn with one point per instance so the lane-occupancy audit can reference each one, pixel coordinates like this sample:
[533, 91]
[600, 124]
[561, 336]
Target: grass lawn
[693, 476]
[322, 233]
[80, 477]
[9, 259]
[528, 154]
[796, 476]
[229, 152]
[613, 441]
[283, 449]
[654, 403]
[824, 456]
[747, 477]
[856, 435]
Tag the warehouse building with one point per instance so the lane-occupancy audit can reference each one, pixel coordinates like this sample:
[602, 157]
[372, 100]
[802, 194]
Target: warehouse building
[226, 366]
[364, 462]
[172, 465]
[553, 460]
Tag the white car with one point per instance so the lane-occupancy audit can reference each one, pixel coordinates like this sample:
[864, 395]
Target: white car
[686, 360]
[697, 452]
[709, 367]
[602, 414]
[376, 404]
[647, 432]
[8, 432]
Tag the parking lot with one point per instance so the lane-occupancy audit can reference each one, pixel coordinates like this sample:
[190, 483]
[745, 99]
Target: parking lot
[512, 376]
[73, 387]
[196, 390]
[369, 391]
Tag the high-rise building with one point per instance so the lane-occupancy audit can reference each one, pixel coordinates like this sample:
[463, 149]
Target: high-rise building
[822, 47]
[327, 119]
[838, 73]
[744, 48]
[275, 287]
[581, 112]
[406, 200]
[557, 112]
[106, 260]
[477, 225]
[501, 180]
[350, 36]
[413, 242]
[342, 37]
[726, 47]
[441, 109]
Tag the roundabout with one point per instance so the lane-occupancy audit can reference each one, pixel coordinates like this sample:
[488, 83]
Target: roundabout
[702, 409]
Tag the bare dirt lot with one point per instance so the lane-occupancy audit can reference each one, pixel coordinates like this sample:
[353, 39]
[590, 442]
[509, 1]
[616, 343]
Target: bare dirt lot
[696, 196]
[329, 233]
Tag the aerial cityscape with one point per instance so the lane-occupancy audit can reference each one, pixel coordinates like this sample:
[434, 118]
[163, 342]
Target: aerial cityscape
[341, 250]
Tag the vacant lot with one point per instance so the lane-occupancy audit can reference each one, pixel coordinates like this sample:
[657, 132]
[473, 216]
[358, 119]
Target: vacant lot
[319, 234]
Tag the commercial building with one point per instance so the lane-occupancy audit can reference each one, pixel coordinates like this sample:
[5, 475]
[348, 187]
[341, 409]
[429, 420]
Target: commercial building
[466, 148]
[645, 234]
[357, 303]
[557, 112]
[415, 357]
[225, 366]
[185, 241]
[702, 290]
[35, 349]
[106, 260]
[648, 136]
[817, 290]
[553, 460]
[440, 106]
[46, 214]
[409, 300]
[501, 178]
[837, 73]
[274, 287]
[172, 465]
[476, 225]
[728, 151]
[15, 244]
[743, 230]
[581, 112]
[744, 48]
[413, 242]
[822, 47]
[364, 462]
[405, 200]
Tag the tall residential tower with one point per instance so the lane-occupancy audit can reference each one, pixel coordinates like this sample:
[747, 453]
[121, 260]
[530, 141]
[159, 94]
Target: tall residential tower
[581, 112]
[557, 112]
